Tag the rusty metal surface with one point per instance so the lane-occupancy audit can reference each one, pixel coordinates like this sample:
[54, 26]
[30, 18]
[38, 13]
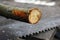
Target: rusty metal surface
[50, 19]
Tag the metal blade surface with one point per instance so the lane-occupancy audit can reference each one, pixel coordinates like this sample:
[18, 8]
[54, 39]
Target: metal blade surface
[50, 19]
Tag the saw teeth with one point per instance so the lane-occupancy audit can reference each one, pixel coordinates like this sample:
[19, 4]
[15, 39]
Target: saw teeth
[39, 31]
[57, 27]
[27, 36]
[46, 30]
[30, 35]
[43, 31]
[34, 34]
[54, 27]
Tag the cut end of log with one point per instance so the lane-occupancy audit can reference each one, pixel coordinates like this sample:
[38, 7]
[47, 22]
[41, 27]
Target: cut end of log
[34, 16]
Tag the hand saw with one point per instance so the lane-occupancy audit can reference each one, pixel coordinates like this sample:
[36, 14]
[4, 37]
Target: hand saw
[50, 19]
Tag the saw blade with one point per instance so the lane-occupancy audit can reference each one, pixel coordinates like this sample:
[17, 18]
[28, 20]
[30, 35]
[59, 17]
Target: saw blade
[50, 20]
